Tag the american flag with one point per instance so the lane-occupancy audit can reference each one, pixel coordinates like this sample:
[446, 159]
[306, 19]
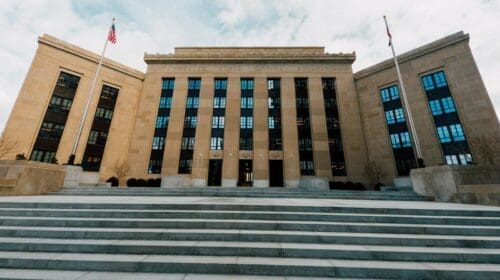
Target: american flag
[112, 34]
[388, 32]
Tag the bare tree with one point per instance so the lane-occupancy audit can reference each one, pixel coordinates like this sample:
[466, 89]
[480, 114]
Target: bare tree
[374, 173]
[120, 170]
[6, 146]
[486, 149]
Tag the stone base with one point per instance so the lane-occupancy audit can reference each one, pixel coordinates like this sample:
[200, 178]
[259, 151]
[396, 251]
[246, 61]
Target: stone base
[314, 183]
[23, 177]
[478, 194]
[229, 183]
[89, 178]
[261, 183]
[199, 182]
[72, 178]
[177, 181]
[442, 182]
[292, 184]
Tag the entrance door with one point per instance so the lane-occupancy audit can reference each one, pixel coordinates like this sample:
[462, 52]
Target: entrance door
[245, 178]
[276, 173]
[214, 172]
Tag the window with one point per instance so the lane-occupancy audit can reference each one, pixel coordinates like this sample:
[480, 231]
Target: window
[384, 93]
[109, 93]
[405, 139]
[185, 166]
[270, 84]
[59, 103]
[457, 132]
[400, 115]
[166, 102]
[274, 122]
[305, 144]
[36, 155]
[246, 84]
[273, 102]
[389, 116]
[465, 159]
[187, 143]
[440, 79]
[333, 122]
[330, 103]
[190, 122]
[155, 166]
[247, 102]
[51, 130]
[158, 143]
[94, 134]
[394, 90]
[216, 143]
[303, 122]
[219, 102]
[194, 84]
[192, 102]
[218, 122]
[435, 107]
[162, 121]
[220, 84]
[168, 84]
[246, 122]
[302, 102]
[395, 141]
[102, 113]
[428, 83]
[246, 143]
[306, 167]
[448, 105]
[451, 160]
[444, 135]
[68, 80]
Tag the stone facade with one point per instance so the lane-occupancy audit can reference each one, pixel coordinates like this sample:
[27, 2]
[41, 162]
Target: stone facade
[362, 124]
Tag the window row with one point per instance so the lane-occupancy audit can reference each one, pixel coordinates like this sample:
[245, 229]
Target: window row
[193, 102]
[158, 143]
[162, 121]
[220, 84]
[219, 102]
[452, 133]
[218, 122]
[168, 84]
[445, 105]
[42, 156]
[400, 140]
[165, 102]
[463, 159]
[274, 122]
[187, 143]
[216, 143]
[190, 122]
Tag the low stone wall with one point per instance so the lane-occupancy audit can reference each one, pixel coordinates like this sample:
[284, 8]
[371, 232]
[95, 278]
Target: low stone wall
[443, 182]
[23, 177]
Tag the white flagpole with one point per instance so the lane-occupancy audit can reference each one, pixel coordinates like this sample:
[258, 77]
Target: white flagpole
[89, 99]
[420, 161]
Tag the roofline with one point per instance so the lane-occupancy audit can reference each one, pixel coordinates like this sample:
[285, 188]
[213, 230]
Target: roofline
[434, 46]
[61, 45]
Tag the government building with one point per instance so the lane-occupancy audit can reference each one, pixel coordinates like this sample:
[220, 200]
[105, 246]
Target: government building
[252, 116]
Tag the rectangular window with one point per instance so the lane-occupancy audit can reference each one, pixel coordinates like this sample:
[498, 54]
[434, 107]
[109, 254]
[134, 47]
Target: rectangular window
[274, 122]
[305, 144]
[465, 159]
[394, 90]
[444, 135]
[428, 83]
[194, 84]
[395, 141]
[400, 115]
[247, 102]
[168, 84]
[273, 102]
[94, 134]
[219, 102]
[165, 102]
[192, 102]
[158, 143]
[187, 143]
[435, 107]
[302, 102]
[384, 94]
[246, 144]
[162, 121]
[216, 143]
[440, 79]
[405, 139]
[246, 84]
[220, 84]
[190, 122]
[246, 122]
[389, 116]
[104, 114]
[457, 132]
[306, 166]
[218, 122]
[448, 105]
[270, 84]
[451, 160]
[185, 166]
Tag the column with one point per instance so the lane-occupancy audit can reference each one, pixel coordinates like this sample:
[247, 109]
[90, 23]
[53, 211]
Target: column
[199, 173]
[260, 134]
[319, 132]
[230, 160]
[290, 134]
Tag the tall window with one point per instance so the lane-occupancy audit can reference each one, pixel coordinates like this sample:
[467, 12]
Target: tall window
[306, 160]
[189, 131]
[446, 119]
[54, 120]
[160, 131]
[246, 119]
[398, 130]
[218, 114]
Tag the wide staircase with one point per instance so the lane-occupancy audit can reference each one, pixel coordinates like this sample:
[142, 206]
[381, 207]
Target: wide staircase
[108, 233]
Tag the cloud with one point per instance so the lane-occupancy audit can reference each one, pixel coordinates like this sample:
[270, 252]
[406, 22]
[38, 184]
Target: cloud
[158, 26]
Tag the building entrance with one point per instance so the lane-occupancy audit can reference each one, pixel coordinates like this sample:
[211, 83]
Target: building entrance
[276, 173]
[214, 172]
[245, 178]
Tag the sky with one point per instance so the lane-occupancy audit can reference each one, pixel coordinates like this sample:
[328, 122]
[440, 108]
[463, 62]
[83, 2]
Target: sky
[157, 26]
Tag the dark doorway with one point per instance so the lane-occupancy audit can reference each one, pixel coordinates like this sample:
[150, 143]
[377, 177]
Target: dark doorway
[214, 172]
[276, 173]
[245, 178]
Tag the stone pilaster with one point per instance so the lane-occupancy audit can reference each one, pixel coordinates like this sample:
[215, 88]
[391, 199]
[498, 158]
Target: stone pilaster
[289, 132]
[260, 134]
[230, 160]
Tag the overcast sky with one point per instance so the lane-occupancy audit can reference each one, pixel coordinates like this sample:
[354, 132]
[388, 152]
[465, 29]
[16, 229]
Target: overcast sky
[157, 26]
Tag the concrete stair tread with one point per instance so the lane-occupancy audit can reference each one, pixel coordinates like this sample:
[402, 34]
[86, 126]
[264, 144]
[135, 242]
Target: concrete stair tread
[261, 261]
[234, 244]
[253, 232]
[248, 221]
[108, 211]
[95, 275]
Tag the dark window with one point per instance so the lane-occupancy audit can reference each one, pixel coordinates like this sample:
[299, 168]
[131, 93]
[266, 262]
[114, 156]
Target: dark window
[189, 131]
[304, 127]
[246, 119]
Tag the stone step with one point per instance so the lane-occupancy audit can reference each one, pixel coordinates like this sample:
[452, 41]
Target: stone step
[252, 249]
[248, 265]
[252, 225]
[37, 274]
[249, 215]
[341, 207]
[415, 240]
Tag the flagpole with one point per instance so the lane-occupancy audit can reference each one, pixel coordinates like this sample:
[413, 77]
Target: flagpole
[420, 160]
[71, 159]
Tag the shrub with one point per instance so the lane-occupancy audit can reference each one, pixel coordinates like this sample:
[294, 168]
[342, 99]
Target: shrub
[142, 183]
[20, 157]
[132, 182]
[359, 186]
[114, 181]
[153, 182]
[54, 160]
